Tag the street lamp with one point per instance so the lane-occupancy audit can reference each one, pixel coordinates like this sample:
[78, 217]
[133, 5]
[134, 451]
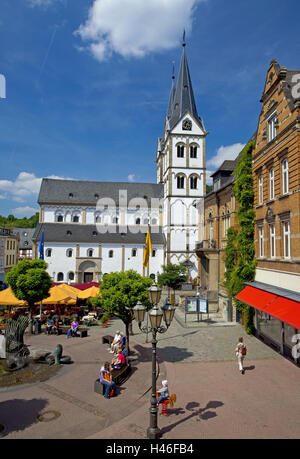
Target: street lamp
[156, 316]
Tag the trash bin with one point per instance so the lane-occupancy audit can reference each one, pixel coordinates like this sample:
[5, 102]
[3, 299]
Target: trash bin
[37, 327]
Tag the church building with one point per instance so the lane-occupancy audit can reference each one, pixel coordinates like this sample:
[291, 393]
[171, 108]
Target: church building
[92, 228]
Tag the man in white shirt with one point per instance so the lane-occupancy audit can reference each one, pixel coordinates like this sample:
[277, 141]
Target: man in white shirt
[116, 342]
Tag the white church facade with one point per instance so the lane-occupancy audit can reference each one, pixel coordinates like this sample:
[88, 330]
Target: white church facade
[93, 228]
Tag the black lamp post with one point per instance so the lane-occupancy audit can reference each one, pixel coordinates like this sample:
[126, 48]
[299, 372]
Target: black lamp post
[155, 316]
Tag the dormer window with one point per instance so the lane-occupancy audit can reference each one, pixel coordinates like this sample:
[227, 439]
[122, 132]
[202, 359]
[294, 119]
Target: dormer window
[69, 233]
[71, 195]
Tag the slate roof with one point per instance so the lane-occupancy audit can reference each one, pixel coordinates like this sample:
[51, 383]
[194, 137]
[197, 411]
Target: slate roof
[81, 192]
[226, 166]
[183, 97]
[57, 232]
[26, 235]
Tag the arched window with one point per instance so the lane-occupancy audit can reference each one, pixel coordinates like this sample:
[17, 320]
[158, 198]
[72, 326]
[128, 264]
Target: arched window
[111, 254]
[154, 221]
[90, 252]
[69, 253]
[75, 219]
[59, 218]
[134, 252]
[138, 221]
[193, 183]
[180, 151]
[48, 253]
[71, 276]
[60, 277]
[146, 221]
[153, 253]
[193, 151]
[180, 182]
[97, 219]
[115, 220]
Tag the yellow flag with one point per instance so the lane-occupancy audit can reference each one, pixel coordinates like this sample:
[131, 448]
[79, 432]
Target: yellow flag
[147, 250]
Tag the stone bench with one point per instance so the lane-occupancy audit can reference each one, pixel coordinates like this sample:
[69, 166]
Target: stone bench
[118, 376]
[107, 339]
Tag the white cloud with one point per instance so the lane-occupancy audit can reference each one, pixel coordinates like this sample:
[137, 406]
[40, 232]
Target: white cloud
[131, 178]
[24, 211]
[134, 28]
[229, 152]
[24, 187]
[2, 196]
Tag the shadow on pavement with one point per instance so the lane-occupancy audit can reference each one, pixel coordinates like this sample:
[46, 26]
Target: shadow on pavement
[196, 412]
[20, 414]
[252, 367]
[174, 354]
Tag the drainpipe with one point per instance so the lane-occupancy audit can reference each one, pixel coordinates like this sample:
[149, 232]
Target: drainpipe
[218, 217]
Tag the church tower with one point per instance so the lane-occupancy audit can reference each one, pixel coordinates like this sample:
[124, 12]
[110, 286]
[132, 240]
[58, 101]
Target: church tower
[180, 162]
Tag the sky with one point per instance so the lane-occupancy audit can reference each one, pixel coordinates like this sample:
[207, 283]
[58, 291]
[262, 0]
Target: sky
[87, 83]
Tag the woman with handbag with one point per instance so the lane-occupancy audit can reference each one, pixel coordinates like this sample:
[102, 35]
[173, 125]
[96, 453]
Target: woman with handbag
[240, 352]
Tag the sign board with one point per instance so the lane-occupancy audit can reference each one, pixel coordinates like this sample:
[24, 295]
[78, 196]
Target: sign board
[203, 306]
[191, 305]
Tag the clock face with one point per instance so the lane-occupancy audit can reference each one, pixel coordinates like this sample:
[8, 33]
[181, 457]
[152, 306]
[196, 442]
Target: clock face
[187, 125]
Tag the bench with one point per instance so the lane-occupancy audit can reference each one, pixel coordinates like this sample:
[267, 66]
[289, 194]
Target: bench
[107, 339]
[82, 332]
[120, 376]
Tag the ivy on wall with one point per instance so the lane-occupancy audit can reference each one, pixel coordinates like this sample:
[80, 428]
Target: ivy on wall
[239, 255]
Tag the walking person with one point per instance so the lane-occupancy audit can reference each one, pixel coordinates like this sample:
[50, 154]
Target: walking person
[240, 352]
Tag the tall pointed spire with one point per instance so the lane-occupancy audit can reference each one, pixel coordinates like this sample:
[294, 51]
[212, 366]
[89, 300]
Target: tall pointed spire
[184, 100]
[172, 94]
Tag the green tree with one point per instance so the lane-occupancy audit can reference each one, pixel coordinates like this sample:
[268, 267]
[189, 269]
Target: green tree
[120, 292]
[30, 282]
[173, 276]
[239, 255]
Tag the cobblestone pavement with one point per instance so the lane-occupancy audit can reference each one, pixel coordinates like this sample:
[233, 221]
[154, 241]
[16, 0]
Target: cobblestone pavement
[201, 368]
[204, 343]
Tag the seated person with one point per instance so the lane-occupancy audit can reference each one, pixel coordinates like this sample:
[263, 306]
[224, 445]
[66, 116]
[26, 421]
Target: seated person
[124, 351]
[49, 325]
[116, 342]
[56, 326]
[164, 392]
[119, 361]
[74, 328]
[106, 379]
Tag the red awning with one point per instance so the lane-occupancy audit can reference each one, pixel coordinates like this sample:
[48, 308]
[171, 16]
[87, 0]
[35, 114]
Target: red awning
[282, 308]
[255, 297]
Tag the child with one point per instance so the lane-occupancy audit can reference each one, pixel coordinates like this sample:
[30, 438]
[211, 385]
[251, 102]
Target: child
[164, 391]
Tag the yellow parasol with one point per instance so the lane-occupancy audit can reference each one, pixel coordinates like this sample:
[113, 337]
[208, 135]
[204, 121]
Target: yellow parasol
[60, 295]
[69, 288]
[91, 292]
[7, 298]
